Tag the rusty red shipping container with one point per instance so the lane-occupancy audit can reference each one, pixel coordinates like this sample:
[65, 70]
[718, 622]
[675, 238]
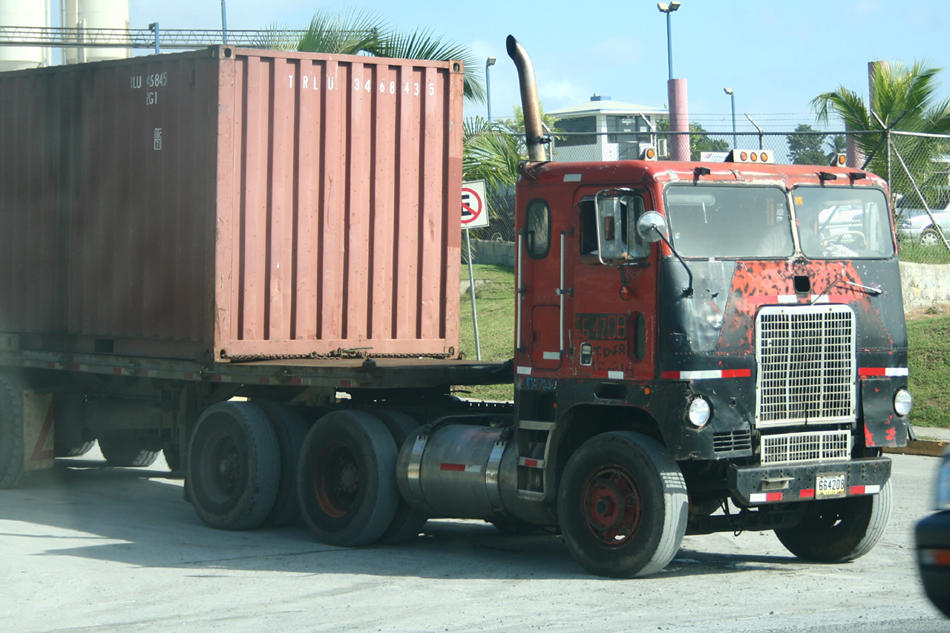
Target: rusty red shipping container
[232, 204]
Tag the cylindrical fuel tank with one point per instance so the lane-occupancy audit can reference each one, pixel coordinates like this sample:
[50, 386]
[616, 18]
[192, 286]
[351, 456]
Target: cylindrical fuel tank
[452, 471]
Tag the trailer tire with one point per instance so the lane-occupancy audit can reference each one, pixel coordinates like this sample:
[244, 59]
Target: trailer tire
[290, 430]
[839, 530]
[11, 431]
[68, 438]
[347, 479]
[233, 466]
[122, 448]
[172, 455]
[408, 521]
[622, 505]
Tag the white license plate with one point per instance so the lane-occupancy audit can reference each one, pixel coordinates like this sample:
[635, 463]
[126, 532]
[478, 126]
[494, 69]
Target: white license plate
[831, 485]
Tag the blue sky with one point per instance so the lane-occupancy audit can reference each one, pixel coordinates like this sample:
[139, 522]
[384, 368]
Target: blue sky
[777, 56]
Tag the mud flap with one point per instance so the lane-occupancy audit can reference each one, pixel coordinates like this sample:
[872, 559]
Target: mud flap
[37, 430]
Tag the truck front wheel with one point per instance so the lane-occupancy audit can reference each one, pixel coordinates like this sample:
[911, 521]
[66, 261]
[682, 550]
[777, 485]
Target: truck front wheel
[622, 505]
[123, 448]
[347, 479]
[839, 530]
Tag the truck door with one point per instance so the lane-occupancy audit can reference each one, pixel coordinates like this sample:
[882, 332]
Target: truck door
[540, 303]
[613, 316]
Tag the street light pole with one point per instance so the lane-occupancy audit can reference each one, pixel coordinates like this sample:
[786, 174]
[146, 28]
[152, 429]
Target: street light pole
[488, 63]
[668, 8]
[732, 98]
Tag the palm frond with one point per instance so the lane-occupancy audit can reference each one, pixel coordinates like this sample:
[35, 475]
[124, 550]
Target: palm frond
[422, 44]
[347, 33]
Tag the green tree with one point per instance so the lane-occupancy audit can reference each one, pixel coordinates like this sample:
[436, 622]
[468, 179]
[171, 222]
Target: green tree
[699, 139]
[806, 146]
[355, 33]
[902, 99]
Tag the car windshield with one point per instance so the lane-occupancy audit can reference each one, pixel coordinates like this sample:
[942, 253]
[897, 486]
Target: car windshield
[729, 221]
[838, 222]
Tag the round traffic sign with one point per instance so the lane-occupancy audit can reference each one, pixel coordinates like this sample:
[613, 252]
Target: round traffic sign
[472, 205]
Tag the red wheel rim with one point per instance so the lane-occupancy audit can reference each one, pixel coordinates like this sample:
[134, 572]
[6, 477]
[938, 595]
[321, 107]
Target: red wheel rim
[611, 506]
[336, 480]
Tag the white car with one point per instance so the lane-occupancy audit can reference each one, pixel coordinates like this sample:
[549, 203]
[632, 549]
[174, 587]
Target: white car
[917, 227]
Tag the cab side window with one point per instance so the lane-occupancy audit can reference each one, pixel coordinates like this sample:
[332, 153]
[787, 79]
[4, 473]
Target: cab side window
[619, 242]
[537, 229]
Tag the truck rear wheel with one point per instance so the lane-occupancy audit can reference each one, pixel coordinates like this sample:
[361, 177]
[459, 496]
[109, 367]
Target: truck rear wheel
[122, 448]
[233, 466]
[11, 431]
[622, 505]
[290, 430]
[347, 478]
[839, 530]
[408, 521]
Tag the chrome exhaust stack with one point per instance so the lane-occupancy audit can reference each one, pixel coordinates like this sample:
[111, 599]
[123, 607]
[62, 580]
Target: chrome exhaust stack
[534, 139]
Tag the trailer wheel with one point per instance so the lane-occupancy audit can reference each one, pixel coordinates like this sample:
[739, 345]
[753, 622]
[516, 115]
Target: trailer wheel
[408, 521]
[622, 505]
[233, 466]
[347, 478]
[122, 448]
[68, 438]
[290, 430]
[839, 530]
[11, 431]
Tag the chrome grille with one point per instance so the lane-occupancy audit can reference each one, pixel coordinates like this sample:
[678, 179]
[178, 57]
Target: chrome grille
[805, 365]
[805, 447]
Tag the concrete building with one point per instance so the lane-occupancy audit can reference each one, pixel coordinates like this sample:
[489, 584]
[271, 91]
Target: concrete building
[603, 129]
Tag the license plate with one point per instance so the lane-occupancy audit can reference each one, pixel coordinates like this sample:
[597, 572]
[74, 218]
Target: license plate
[831, 485]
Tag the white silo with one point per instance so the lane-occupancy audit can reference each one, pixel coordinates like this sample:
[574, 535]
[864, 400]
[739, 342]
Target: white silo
[19, 13]
[95, 14]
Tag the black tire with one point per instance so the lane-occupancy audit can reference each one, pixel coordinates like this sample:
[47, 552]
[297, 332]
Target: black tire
[68, 438]
[347, 479]
[122, 448]
[622, 505]
[11, 431]
[233, 466]
[930, 237]
[290, 429]
[408, 522]
[839, 530]
[172, 455]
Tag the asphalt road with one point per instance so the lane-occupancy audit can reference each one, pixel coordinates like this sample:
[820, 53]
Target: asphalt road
[88, 548]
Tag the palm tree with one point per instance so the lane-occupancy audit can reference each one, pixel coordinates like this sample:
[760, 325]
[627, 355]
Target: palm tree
[357, 33]
[902, 99]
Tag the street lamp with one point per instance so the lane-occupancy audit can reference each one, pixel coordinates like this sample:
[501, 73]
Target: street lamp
[668, 8]
[732, 98]
[488, 63]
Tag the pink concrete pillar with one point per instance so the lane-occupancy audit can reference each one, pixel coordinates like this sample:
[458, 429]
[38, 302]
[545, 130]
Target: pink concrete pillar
[679, 119]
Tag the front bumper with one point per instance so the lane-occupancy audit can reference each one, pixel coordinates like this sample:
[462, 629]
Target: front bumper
[784, 483]
[933, 558]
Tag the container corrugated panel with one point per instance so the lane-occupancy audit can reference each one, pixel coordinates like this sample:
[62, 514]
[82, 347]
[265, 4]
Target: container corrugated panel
[233, 204]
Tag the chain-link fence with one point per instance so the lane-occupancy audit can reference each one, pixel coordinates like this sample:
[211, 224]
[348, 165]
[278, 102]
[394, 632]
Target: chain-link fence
[916, 166]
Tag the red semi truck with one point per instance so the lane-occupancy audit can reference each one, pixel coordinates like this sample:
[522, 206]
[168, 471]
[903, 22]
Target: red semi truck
[698, 347]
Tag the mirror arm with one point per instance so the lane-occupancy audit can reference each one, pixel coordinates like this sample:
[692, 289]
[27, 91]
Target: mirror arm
[688, 291]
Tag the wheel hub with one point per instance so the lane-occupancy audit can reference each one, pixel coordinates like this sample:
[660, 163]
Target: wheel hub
[611, 505]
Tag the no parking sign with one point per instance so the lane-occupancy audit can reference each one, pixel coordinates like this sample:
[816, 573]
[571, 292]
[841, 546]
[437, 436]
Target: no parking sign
[474, 209]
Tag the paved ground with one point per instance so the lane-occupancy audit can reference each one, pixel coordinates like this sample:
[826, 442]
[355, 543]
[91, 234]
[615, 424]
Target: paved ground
[87, 548]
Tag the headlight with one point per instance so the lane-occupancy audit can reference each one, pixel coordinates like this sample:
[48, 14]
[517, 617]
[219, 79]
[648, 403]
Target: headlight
[943, 484]
[699, 411]
[903, 402]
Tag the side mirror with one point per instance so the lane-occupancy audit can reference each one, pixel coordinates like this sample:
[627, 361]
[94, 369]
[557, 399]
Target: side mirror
[651, 226]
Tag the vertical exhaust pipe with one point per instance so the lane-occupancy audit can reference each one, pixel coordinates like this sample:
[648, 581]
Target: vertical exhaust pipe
[529, 100]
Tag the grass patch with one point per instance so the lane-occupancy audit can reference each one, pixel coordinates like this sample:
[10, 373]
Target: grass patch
[929, 365]
[928, 336]
[495, 302]
[920, 254]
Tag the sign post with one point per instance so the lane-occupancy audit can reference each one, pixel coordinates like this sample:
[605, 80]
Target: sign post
[474, 215]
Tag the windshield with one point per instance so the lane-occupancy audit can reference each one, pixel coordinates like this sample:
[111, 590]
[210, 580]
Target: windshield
[729, 221]
[836, 222]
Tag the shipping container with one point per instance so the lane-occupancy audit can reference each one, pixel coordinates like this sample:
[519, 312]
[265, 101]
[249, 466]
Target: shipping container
[232, 204]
